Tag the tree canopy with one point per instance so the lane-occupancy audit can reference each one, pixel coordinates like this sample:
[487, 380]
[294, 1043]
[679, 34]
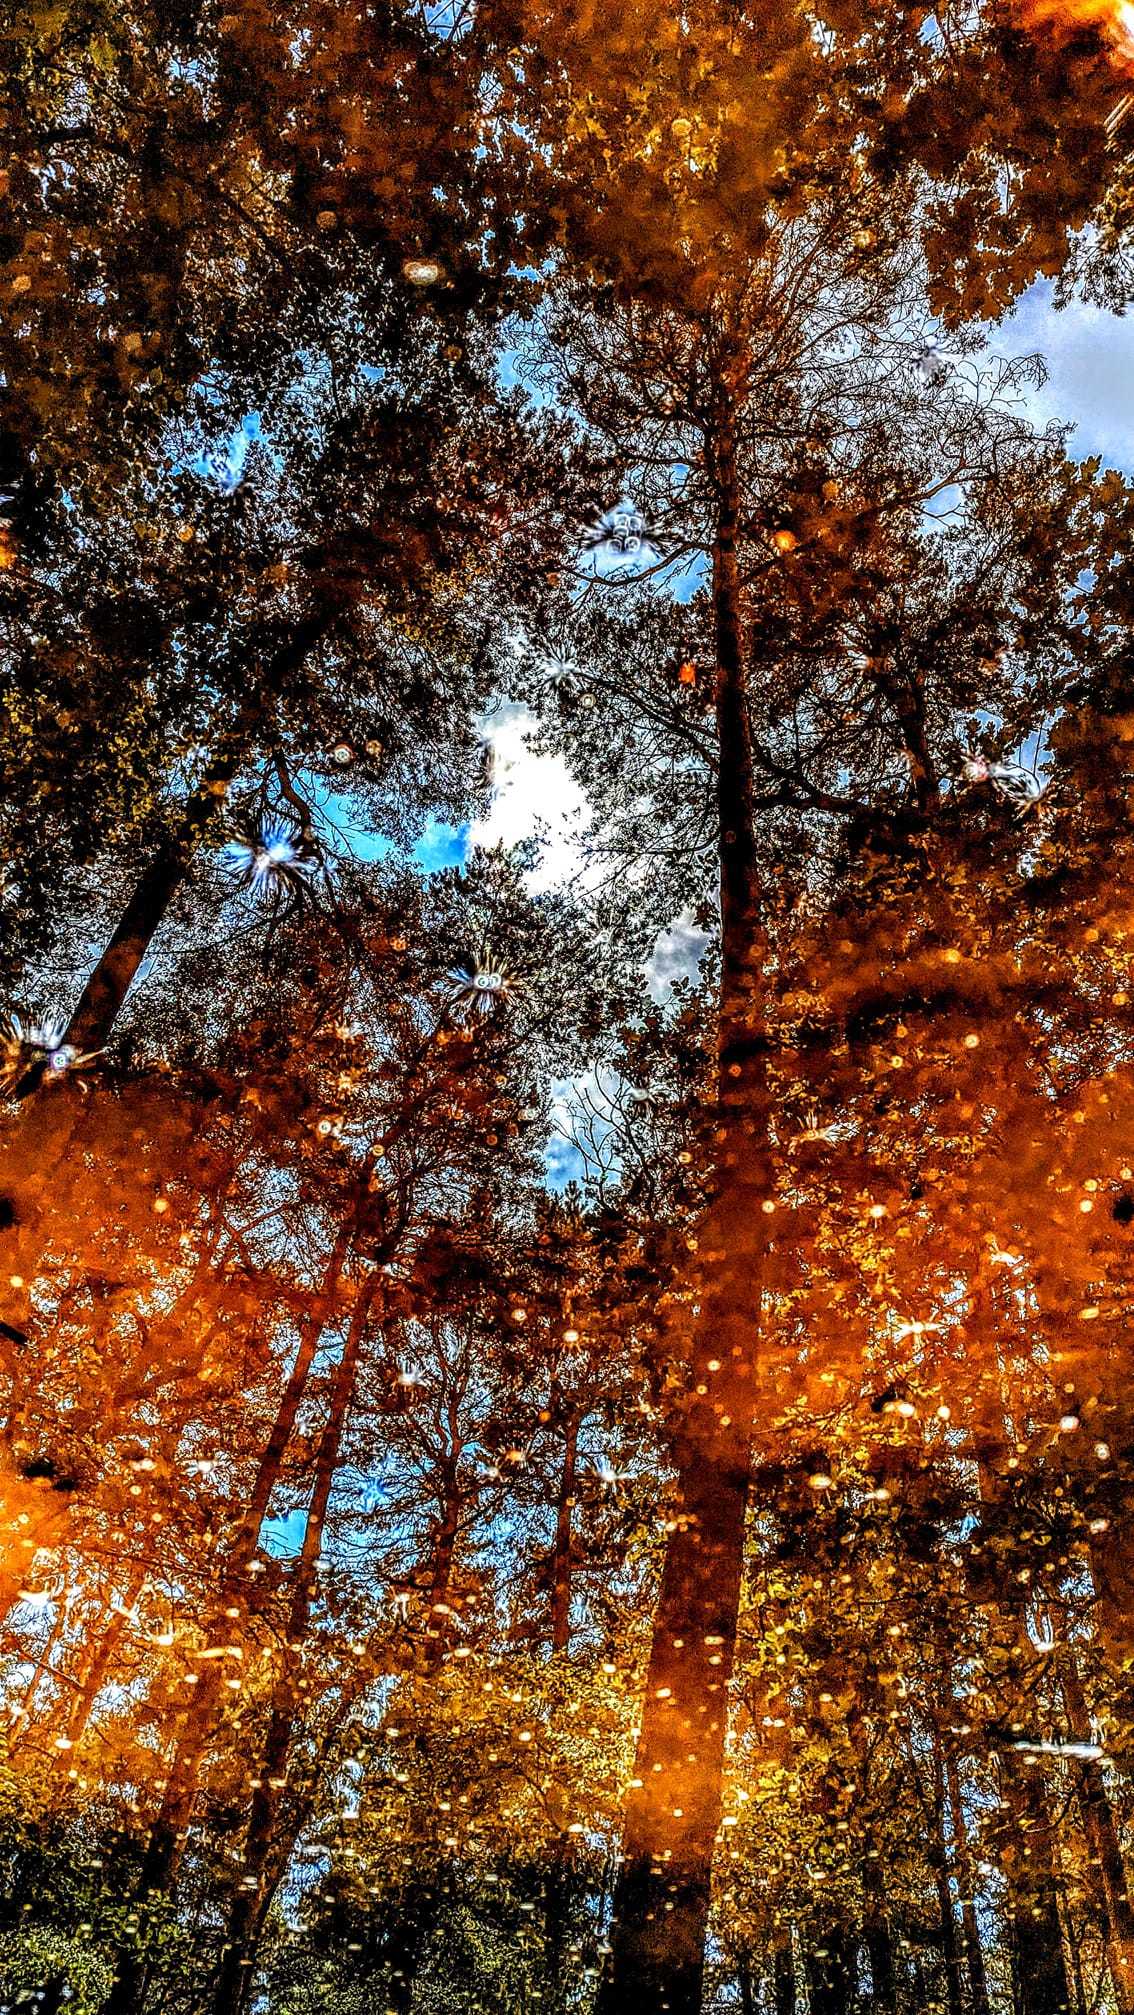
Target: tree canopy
[566, 1444]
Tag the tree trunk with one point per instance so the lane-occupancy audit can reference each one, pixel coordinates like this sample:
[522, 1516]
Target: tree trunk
[1105, 1853]
[879, 1943]
[1027, 1836]
[163, 1848]
[1033, 1901]
[831, 1974]
[1077, 1981]
[783, 1976]
[250, 1904]
[406, 1948]
[183, 1777]
[438, 1629]
[974, 1956]
[940, 1863]
[560, 1889]
[86, 1693]
[561, 1874]
[1112, 1566]
[89, 1688]
[561, 1552]
[662, 1899]
[409, 1943]
[949, 1953]
[267, 1474]
[53, 1996]
[101, 1000]
[22, 1713]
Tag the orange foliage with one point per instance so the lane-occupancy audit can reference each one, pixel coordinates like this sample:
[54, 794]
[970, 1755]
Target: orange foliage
[1114, 18]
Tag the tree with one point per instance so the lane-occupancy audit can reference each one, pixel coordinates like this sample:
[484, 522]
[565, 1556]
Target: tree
[816, 531]
[831, 549]
[380, 1530]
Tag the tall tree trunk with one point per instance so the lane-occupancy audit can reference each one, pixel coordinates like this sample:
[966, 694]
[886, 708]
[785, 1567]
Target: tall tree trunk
[561, 1551]
[662, 1899]
[940, 1862]
[1105, 1853]
[1112, 1565]
[409, 1942]
[974, 1956]
[831, 1974]
[784, 1996]
[267, 1474]
[90, 1686]
[561, 1866]
[1027, 1835]
[22, 1713]
[182, 1779]
[250, 1903]
[560, 1887]
[1033, 1901]
[198, 1720]
[407, 1945]
[101, 1000]
[878, 1941]
[438, 1626]
[1078, 1983]
[87, 1691]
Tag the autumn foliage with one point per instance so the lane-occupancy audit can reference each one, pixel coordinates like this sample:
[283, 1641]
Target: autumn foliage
[566, 1435]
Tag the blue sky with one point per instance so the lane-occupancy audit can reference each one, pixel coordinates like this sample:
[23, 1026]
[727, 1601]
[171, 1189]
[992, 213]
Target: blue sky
[442, 846]
[1089, 354]
[1090, 360]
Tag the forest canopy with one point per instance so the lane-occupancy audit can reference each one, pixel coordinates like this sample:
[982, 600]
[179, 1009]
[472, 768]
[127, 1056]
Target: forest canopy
[566, 1010]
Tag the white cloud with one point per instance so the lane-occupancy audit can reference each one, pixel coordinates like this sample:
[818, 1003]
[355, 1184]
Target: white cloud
[677, 953]
[534, 795]
[1090, 359]
[562, 1161]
